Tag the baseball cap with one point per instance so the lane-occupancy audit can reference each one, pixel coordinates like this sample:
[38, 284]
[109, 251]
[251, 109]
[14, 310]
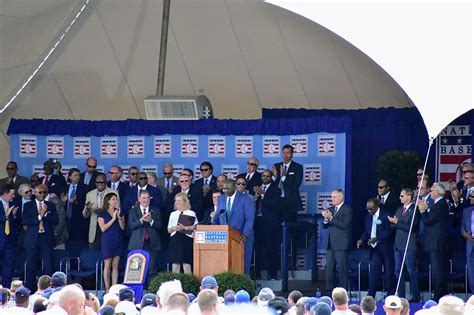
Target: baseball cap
[279, 304]
[450, 305]
[126, 294]
[242, 296]
[24, 292]
[148, 299]
[208, 282]
[264, 296]
[321, 308]
[393, 301]
[126, 307]
[312, 301]
[191, 297]
[326, 299]
[229, 299]
[429, 304]
[58, 279]
[107, 310]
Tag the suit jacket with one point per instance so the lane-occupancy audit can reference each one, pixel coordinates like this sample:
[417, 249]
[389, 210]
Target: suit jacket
[18, 181]
[242, 214]
[207, 200]
[270, 205]
[162, 182]
[60, 231]
[56, 184]
[30, 218]
[195, 198]
[92, 214]
[138, 228]
[384, 234]
[14, 222]
[403, 227]
[339, 228]
[123, 188]
[392, 203]
[131, 198]
[466, 227]
[91, 185]
[435, 220]
[256, 180]
[78, 204]
[292, 183]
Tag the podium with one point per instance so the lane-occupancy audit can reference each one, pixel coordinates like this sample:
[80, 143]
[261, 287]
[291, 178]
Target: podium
[217, 248]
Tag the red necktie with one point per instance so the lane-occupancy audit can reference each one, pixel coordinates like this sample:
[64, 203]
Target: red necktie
[147, 231]
[404, 210]
[46, 180]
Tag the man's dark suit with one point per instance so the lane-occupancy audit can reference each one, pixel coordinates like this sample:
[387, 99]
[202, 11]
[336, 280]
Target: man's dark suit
[122, 189]
[131, 198]
[91, 185]
[18, 181]
[206, 200]
[401, 237]
[8, 243]
[382, 253]
[392, 203]
[56, 184]
[466, 227]
[77, 225]
[291, 203]
[267, 230]
[36, 242]
[435, 243]
[255, 180]
[137, 239]
[337, 246]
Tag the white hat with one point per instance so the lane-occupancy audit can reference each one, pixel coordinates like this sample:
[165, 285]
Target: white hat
[393, 302]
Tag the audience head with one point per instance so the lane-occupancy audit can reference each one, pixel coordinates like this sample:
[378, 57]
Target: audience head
[300, 305]
[110, 201]
[168, 170]
[287, 153]
[327, 300]
[184, 182]
[148, 299]
[406, 196]
[74, 175]
[44, 282]
[266, 177]
[321, 308]
[107, 310]
[373, 205]
[264, 296]
[110, 299]
[220, 181]
[48, 167]
[293, 297]
[241, 297]
[206, 169]
[41, 191]
[22, 297]
[35, 180]
[279, 305]
[191, 297]
[229, 299]
[437, 190]
[25, 191]
[355, 308]
[152, 178]
[126, 308]
[229, 187]
[188, 172]
[100, 182]
[144, 198]
[12, 169]
[115, 173]
[252, 165]
[393, 305]
[310, 302]
[166, 290]
[4, 295]
[450, 305]
[178, 301]
[215, 196]
[92, 301]
[72, 299]
[337, 197]
[40, 305]
[241, 185]
[340, 297]
[8, 192]
[181, 202]
[133, 174]
[207, 300]
[126, 294]
[14, 285]
[405, 307]
[91, 165]
[383, 187]
[368, 304]
[209, 282]
[142, 179]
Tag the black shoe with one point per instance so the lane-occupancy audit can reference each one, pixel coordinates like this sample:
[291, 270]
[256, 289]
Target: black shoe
[415, 299]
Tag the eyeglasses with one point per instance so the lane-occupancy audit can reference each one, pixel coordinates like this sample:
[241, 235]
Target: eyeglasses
[99, 182]
[42, 192]
[112, 173]
[370, 209]
[251, 164]
[419, 174]
[91, 166]
[10, 168]
[143, 178]
[133, 174]
[241, 184]
[35, 180]
[204, 169]
[184, 181]
[266, 175]
[381, 187]
[28, 191]
[167, 173]
[401, 196]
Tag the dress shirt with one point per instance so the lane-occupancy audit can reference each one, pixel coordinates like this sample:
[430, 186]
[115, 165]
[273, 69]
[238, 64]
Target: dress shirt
[373, 231]
[384, 198]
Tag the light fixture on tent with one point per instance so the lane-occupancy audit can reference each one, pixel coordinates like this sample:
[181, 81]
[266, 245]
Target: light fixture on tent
[178, 107]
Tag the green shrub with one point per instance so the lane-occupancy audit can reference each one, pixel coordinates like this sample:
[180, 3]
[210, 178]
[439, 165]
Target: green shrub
[188, 282]
[234, 281]
[399, 168]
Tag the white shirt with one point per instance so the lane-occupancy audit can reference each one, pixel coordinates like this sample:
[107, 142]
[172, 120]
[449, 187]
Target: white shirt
[174, 217]
[346, 312]
[55, 310]
[17, 311]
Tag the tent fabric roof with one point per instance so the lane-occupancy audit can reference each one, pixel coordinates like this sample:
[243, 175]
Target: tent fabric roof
[243, 54]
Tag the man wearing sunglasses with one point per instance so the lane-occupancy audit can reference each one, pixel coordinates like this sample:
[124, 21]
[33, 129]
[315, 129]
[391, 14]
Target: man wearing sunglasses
[194, 194]
[131, 199]
[13, 176]
[25, 194]
[388, 200]
[40, 217]
[168, 180]
[89, 176]
[115, 174]
[253, 178]
[207, 183]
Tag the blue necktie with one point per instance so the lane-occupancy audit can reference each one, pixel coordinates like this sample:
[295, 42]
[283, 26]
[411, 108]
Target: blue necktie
[69, 204]
[228, 208]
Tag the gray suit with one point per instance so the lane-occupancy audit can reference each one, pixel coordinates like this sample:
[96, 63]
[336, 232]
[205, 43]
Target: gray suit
[337, 246]
[138, 228]
[162, 183]
[466, 227]
[18, 181]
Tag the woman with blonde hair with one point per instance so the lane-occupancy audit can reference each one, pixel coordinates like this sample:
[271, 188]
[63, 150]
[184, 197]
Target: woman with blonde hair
[181, 226]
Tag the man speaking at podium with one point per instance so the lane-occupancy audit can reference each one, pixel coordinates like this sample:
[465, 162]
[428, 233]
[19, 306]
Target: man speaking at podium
[238, 211]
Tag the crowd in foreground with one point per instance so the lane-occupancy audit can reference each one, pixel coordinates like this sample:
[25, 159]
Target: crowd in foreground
[55, 297]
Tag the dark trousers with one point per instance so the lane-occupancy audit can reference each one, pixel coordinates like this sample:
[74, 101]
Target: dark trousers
[287, 210]
[267, 247]
[339, 258]
[41, 250]
[153, 258]
[438, 269]
[410, 263]
[377, 259]
[8, 256]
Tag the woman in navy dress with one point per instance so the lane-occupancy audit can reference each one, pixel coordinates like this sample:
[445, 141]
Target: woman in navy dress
[112, 224]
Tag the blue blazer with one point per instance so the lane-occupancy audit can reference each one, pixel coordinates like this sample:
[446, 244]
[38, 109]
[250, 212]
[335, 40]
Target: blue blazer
[242, 214]
[385, 233]
[30, 219]
[122, 189]
[14, 224]
[466, 227]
